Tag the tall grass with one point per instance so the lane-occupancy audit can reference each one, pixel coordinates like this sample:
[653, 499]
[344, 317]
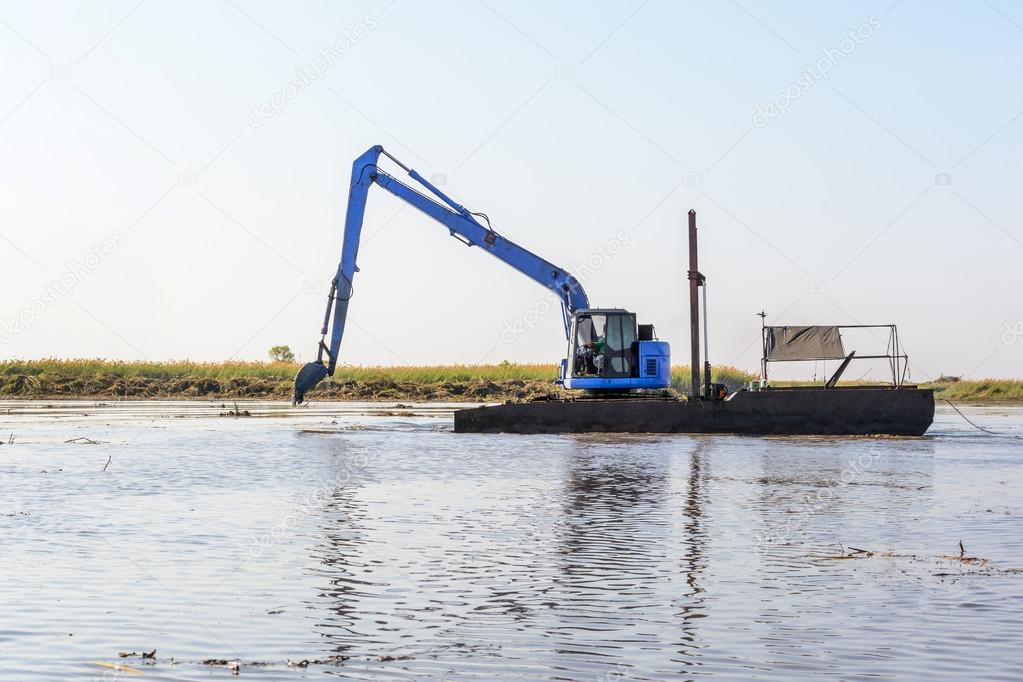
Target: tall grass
[88, 369]
[978, 389]
[88, 375]
[285, 371]
[732, 377]
[220, 371]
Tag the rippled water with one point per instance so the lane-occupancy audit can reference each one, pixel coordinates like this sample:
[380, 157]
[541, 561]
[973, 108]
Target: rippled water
[377, 543]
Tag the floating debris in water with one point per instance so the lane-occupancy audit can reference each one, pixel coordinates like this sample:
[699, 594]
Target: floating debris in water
[328, 660]
[985, 566]
[145, 655]
[117, 667]
[236, 665]
[82, 440]
[233, 666]
[236, 412]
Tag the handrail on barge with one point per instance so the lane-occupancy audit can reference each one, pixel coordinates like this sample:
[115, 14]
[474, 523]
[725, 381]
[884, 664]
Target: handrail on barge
[898, 360]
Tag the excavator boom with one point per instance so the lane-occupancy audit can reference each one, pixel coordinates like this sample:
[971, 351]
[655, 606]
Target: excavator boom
[461, 223]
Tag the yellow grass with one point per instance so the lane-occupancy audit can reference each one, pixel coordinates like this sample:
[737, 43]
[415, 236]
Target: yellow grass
[89, 377]
[426, 374]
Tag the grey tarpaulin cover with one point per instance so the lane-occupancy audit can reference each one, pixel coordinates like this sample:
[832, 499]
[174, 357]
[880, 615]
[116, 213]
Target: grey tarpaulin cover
[804, 343]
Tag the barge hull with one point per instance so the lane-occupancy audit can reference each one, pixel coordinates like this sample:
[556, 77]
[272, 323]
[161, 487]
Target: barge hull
[845, 411]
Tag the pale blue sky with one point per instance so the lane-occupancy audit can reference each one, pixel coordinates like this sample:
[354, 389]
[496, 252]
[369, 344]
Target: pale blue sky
[887, 192]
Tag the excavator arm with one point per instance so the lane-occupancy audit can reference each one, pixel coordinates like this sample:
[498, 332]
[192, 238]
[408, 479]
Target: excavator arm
[461, 223]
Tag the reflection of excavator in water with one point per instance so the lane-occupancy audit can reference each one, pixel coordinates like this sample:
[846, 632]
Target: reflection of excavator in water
[607, 350]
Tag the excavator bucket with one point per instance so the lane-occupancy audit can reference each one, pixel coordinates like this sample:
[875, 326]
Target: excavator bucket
[310, 375]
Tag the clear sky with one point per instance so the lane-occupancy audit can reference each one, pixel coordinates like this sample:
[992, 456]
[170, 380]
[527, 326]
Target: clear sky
[167, 191]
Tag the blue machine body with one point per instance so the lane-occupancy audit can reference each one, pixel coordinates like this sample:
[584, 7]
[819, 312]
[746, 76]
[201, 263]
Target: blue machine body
[465, 226]
[654, 371]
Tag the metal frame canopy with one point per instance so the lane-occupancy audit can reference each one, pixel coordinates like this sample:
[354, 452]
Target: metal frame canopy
[895, 354]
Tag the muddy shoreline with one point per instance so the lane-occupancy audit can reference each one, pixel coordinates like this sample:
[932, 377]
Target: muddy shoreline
[257, 388]
[141, 388]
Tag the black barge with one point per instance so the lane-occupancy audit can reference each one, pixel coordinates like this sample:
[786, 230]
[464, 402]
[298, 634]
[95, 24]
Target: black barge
[844, 411]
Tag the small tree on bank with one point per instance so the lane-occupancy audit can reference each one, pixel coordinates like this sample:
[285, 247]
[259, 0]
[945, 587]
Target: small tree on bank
[281, 354]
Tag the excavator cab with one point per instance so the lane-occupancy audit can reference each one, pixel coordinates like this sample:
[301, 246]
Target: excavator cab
[607, 352]
[603, 343]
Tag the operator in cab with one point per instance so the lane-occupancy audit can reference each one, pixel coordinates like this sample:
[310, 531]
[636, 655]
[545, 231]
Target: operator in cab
[595, 351]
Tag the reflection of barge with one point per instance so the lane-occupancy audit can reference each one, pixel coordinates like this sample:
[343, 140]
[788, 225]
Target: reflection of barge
[892, 409]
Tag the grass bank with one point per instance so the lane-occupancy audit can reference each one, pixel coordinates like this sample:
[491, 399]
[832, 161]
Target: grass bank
[104, 379]
[977, 390]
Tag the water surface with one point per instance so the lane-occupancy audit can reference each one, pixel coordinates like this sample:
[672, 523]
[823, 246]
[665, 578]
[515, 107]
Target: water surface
[372, 542]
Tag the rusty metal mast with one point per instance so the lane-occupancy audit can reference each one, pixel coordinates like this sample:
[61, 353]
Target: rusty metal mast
[695, 280]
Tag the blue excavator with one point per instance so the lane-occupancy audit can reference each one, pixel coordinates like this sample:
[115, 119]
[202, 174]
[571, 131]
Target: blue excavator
[607, 351]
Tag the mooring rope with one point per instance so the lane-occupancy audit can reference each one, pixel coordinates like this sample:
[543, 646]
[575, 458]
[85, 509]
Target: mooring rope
[978, 426]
